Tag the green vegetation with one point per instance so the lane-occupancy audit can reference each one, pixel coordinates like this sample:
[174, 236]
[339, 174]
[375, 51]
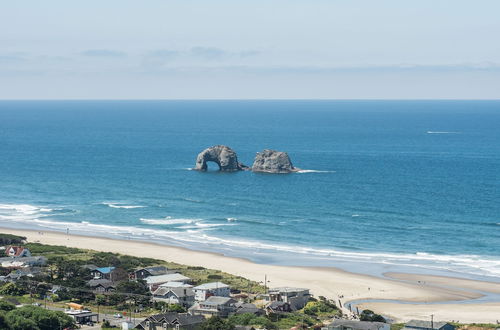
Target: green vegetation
[368, 315]
[32, 318]
[8, 239]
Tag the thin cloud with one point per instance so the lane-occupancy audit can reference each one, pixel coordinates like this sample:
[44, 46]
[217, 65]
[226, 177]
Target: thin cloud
[103, 53]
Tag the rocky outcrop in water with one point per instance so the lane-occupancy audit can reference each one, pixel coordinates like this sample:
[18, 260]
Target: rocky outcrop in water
[272, 161]
[223, 156]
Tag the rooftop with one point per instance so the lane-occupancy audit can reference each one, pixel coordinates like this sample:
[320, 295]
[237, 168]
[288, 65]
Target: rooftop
[176, 285]
[211, 286]
[425, 324]
[105, 270]
[166, 278]
[359, 325]
[214, 300]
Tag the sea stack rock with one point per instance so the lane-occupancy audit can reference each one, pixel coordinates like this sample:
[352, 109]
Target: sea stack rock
[272, 161]
[223, 156]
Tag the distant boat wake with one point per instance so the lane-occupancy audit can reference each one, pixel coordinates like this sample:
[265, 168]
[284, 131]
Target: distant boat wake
[441, 132]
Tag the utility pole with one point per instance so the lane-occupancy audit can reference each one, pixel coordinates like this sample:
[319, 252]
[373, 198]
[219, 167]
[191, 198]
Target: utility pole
[432, 321]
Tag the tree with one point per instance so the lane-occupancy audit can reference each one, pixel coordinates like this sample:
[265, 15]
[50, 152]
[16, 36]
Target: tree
[6, 306]
[215, 323]
[36, 318]
[12, 289]
[368, 315]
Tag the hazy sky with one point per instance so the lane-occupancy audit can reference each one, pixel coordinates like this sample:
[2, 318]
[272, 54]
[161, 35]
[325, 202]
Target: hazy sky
[249, 49]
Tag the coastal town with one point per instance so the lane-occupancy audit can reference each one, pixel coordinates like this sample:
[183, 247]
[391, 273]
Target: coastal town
[96, 290]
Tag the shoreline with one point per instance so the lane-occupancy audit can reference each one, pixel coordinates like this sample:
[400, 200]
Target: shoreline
[448, 298]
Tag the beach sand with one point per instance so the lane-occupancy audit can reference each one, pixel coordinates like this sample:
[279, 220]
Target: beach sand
[328, 282]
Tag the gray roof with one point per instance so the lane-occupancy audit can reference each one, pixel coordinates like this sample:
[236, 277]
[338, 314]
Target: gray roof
[174, 318]
[155, 270]
[166, 278]
[101, 282]
[179, 292]
[425, 324]
[215, 300]
[211, 286]
[358, 325]
[247, 308]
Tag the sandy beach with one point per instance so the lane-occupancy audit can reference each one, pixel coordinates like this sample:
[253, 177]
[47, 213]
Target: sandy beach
[418, 290]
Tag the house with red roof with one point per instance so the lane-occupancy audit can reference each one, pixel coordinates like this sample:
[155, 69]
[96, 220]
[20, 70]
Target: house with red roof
[17, 251]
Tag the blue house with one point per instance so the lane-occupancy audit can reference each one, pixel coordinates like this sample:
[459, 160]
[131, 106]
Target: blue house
[102, 273]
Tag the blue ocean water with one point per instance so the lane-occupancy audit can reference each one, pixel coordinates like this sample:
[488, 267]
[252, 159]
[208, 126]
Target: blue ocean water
[389, 183]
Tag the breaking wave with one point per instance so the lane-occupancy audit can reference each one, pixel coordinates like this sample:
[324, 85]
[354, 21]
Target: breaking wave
[167, 221]
[121, 206]
[192, 233]
[314, 171]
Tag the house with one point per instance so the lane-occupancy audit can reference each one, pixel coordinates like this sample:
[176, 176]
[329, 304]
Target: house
[278, 307]
[17, 251]
[101, 285]
[296, 297]
[171, 321]
[180, 296]
[142, 273]
[356, 325]
[214, 306]
[20, 262]
[110, 273]
[19, 273]
[219, 289]
[244, 308]
[154, 282]
[102, 272]
[428, 325]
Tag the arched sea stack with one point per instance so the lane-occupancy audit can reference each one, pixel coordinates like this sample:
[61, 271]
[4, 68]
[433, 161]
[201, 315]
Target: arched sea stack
[223, 156]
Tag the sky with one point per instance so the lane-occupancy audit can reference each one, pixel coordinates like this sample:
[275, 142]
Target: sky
[242, 49]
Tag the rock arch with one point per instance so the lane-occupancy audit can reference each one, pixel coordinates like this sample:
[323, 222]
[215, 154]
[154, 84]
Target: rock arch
[222, 155]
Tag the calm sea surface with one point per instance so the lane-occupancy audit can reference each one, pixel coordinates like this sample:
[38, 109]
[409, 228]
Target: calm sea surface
[386, 184]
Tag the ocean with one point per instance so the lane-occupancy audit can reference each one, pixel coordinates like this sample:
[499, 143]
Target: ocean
[385, 186]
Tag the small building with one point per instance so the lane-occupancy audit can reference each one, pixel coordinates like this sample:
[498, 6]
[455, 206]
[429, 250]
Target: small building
[82, 316]
[142, 273]
[102, 272]
[179, 296]
[171, 321]
[204, 291]
[101, 285]
[20, 262]
[17, 251]
[244, 308]
[428, 325]
[153, 282]
[296, 297]
[22, 272]
[214, 306]
[356, 325]
[278, 307]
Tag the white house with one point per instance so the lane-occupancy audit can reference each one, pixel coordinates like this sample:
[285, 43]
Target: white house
[219, 289]
[180, 296]
[296, 297]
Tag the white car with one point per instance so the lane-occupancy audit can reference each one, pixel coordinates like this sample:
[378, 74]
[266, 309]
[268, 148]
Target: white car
[117, 316]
